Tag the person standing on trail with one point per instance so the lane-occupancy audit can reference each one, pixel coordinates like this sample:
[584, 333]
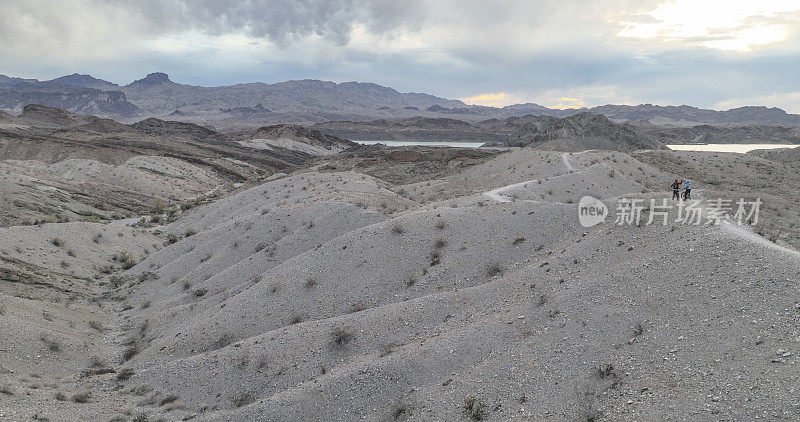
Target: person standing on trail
[676, 189]
[687, 189]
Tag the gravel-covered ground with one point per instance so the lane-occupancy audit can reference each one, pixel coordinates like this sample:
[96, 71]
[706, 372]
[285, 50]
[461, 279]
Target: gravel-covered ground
[334, 295]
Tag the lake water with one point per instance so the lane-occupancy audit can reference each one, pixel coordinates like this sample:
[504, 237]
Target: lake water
[740, 148]
[431, 144]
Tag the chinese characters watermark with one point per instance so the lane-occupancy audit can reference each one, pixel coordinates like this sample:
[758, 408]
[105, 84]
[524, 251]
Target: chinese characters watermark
[635, 211]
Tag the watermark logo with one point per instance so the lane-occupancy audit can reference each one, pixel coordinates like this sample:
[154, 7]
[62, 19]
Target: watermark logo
[638, 212]
[591, 211]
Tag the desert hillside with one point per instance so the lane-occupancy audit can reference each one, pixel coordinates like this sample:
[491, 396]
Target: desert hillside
[419, 283]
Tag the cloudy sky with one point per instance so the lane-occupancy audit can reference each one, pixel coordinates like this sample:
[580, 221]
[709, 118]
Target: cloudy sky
[559, 53]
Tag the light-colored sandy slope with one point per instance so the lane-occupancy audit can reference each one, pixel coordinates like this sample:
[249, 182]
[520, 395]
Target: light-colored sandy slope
[319, 297]
[48, 298]
[446, 328]
[148, 175]
[329, 296]
[511, 174]
[79, 188]
[292, 145]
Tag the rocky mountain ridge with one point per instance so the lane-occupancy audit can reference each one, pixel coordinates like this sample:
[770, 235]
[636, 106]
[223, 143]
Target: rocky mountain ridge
[311, 101]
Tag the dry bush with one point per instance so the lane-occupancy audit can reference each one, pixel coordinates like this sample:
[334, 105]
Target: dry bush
[494, 269]
[168, 399]
[124, 374]
[474, 408]
[242, 399]
[52, 344]
[130, 352]
[7, 389]
[81, 397]
[341, 337]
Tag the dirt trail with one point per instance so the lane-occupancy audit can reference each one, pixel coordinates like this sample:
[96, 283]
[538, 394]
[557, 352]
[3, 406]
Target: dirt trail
[496, 195]
[755, 238]
[565, 158]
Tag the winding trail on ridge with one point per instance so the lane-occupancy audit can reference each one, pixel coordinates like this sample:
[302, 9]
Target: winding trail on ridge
[496, 194]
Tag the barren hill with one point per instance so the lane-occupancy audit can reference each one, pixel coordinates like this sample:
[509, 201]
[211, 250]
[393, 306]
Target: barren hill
[415, 284]
[297, 138]
[580, 132]
[67, 166]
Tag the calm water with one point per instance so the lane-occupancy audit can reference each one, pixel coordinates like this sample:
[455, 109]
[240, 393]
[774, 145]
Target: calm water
[740, 148]
[432, 144]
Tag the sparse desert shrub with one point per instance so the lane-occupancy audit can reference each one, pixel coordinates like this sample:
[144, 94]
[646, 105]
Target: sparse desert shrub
[474, 408]
[57, 241]
[398, 229]
[81, 397]
[71, 253]
[518, 240]
[52, 344]
[638, 329]
[47, 316]
[242, 399]
[159, 206]
[187, 285]
[126, 259]
[172, 238]
[130, 352]
[7, 389]
[190, 232]
[310, 282]
[411, 281]
[341, 337]
[440, 225]
[60, 396]
[171, 398]
[399, 412]
[96, 362]
[146, 304]
[296, 319]
[357, 307]
[223, 340]
[440, 243]
[200, 292]
[494, 269]
[124, 374]
[141, 417]
[435, 258]
[260, 247]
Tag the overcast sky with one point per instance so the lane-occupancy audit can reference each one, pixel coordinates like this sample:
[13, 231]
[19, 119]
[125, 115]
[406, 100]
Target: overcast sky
[558, 53]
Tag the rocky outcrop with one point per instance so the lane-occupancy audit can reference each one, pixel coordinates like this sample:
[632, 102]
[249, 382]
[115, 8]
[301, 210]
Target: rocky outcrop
[580, 132]
[301, 134]
[81, 100]
[153, 126]
[151, 79]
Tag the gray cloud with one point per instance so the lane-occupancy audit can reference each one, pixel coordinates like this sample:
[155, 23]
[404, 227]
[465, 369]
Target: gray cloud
[533, 50]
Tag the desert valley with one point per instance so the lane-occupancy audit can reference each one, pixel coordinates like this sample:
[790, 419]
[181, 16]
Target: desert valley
[250, 261]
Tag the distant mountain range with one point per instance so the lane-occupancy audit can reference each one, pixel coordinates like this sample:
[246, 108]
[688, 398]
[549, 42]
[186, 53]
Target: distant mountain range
[313, 101]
